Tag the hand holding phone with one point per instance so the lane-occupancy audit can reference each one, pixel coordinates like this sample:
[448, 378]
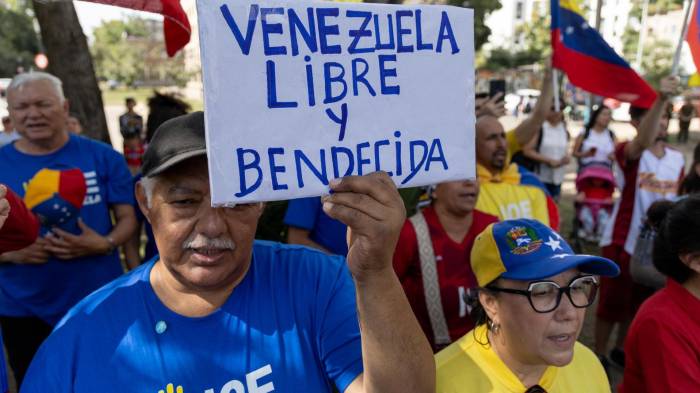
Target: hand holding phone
[497, 86]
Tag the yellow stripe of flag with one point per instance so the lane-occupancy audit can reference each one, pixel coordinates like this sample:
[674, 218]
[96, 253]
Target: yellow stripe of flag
[571, 5]
[42, 187]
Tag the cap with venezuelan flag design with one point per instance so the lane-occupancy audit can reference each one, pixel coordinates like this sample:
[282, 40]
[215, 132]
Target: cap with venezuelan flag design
[526, 249]
[56, 197]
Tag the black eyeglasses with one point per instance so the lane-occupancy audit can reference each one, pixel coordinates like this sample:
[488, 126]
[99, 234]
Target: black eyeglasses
[545, 296]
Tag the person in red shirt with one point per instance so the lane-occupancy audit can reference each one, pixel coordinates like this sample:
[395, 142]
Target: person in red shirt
[663, 345]
[648, 170]
[19, 228]
[433, 257]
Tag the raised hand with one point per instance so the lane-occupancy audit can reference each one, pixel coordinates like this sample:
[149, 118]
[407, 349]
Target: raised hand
[491, 106]
[669, 86]
[373, 210]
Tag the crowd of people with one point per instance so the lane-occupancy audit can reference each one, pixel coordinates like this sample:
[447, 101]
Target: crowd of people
[475, 292]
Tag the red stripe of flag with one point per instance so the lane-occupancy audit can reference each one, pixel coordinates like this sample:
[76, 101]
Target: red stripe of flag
[176, 26]
[693, 36]
[602, 78]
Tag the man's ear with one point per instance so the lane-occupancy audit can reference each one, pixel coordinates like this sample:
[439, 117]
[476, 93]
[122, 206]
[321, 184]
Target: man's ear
[140, 194]
[692, 260]
[66, 106]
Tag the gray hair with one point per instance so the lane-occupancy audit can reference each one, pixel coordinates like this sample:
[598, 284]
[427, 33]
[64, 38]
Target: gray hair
[148, 184]
[37, 76]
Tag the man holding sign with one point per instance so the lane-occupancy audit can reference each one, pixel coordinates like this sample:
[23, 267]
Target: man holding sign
[301, 97]
[219, 311]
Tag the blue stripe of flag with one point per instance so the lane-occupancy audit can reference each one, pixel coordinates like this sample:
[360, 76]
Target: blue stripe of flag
[579, 36]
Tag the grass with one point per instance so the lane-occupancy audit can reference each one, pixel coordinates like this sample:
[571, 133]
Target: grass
[116, 97]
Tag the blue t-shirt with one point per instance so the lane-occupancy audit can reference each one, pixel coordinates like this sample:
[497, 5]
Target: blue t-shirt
[291, 324]
[307, 213]
[48, 290]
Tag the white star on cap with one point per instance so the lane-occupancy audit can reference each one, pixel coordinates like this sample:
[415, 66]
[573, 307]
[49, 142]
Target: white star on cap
[554, 244]
[569, 30]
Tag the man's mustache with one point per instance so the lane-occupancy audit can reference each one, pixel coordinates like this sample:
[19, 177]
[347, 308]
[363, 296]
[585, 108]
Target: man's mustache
[199, 241]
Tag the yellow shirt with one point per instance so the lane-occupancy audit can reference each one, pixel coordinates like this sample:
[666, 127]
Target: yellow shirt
[469, 367]
[514, 194]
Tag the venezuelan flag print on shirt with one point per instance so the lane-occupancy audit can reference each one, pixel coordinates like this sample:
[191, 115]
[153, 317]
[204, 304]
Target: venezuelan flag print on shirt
[515, 193]
[589, 62]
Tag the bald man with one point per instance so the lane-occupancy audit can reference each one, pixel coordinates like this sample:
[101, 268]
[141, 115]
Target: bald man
[508, 190]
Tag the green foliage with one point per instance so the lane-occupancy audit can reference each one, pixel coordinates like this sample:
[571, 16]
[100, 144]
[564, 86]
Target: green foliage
[657, 60]
[502, 59]
[133, 51]
[18, 42]
[630, 42]
[536, 35]
[114, 58]
[482, 8]
[657, 55]
[663, 6]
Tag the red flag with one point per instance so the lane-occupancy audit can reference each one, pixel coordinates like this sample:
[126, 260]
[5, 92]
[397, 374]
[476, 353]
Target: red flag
[693, 36]
[176, 26]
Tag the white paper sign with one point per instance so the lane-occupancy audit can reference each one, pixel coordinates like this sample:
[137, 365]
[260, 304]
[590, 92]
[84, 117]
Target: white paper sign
[300, 92]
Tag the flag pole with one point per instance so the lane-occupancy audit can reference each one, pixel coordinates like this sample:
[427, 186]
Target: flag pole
[642, 36]
[677, 56]
[555, 84]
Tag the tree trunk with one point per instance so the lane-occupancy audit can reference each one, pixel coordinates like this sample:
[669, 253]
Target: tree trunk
[70, 60]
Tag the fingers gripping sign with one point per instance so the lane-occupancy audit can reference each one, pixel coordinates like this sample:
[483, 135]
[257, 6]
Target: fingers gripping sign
[373, 210]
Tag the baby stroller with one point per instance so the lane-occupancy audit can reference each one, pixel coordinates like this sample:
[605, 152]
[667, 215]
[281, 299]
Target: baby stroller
[595, 186]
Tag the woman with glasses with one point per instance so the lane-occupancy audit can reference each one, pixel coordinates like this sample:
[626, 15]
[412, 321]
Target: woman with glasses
[662, 349]
[532, 295]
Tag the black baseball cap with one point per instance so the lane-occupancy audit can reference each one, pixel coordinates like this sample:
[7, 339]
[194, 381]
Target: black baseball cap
[176, 140]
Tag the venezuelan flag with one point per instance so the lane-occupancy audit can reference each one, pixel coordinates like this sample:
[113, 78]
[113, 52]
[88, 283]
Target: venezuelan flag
[56, 197]
[693, 36]
[589, 62]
